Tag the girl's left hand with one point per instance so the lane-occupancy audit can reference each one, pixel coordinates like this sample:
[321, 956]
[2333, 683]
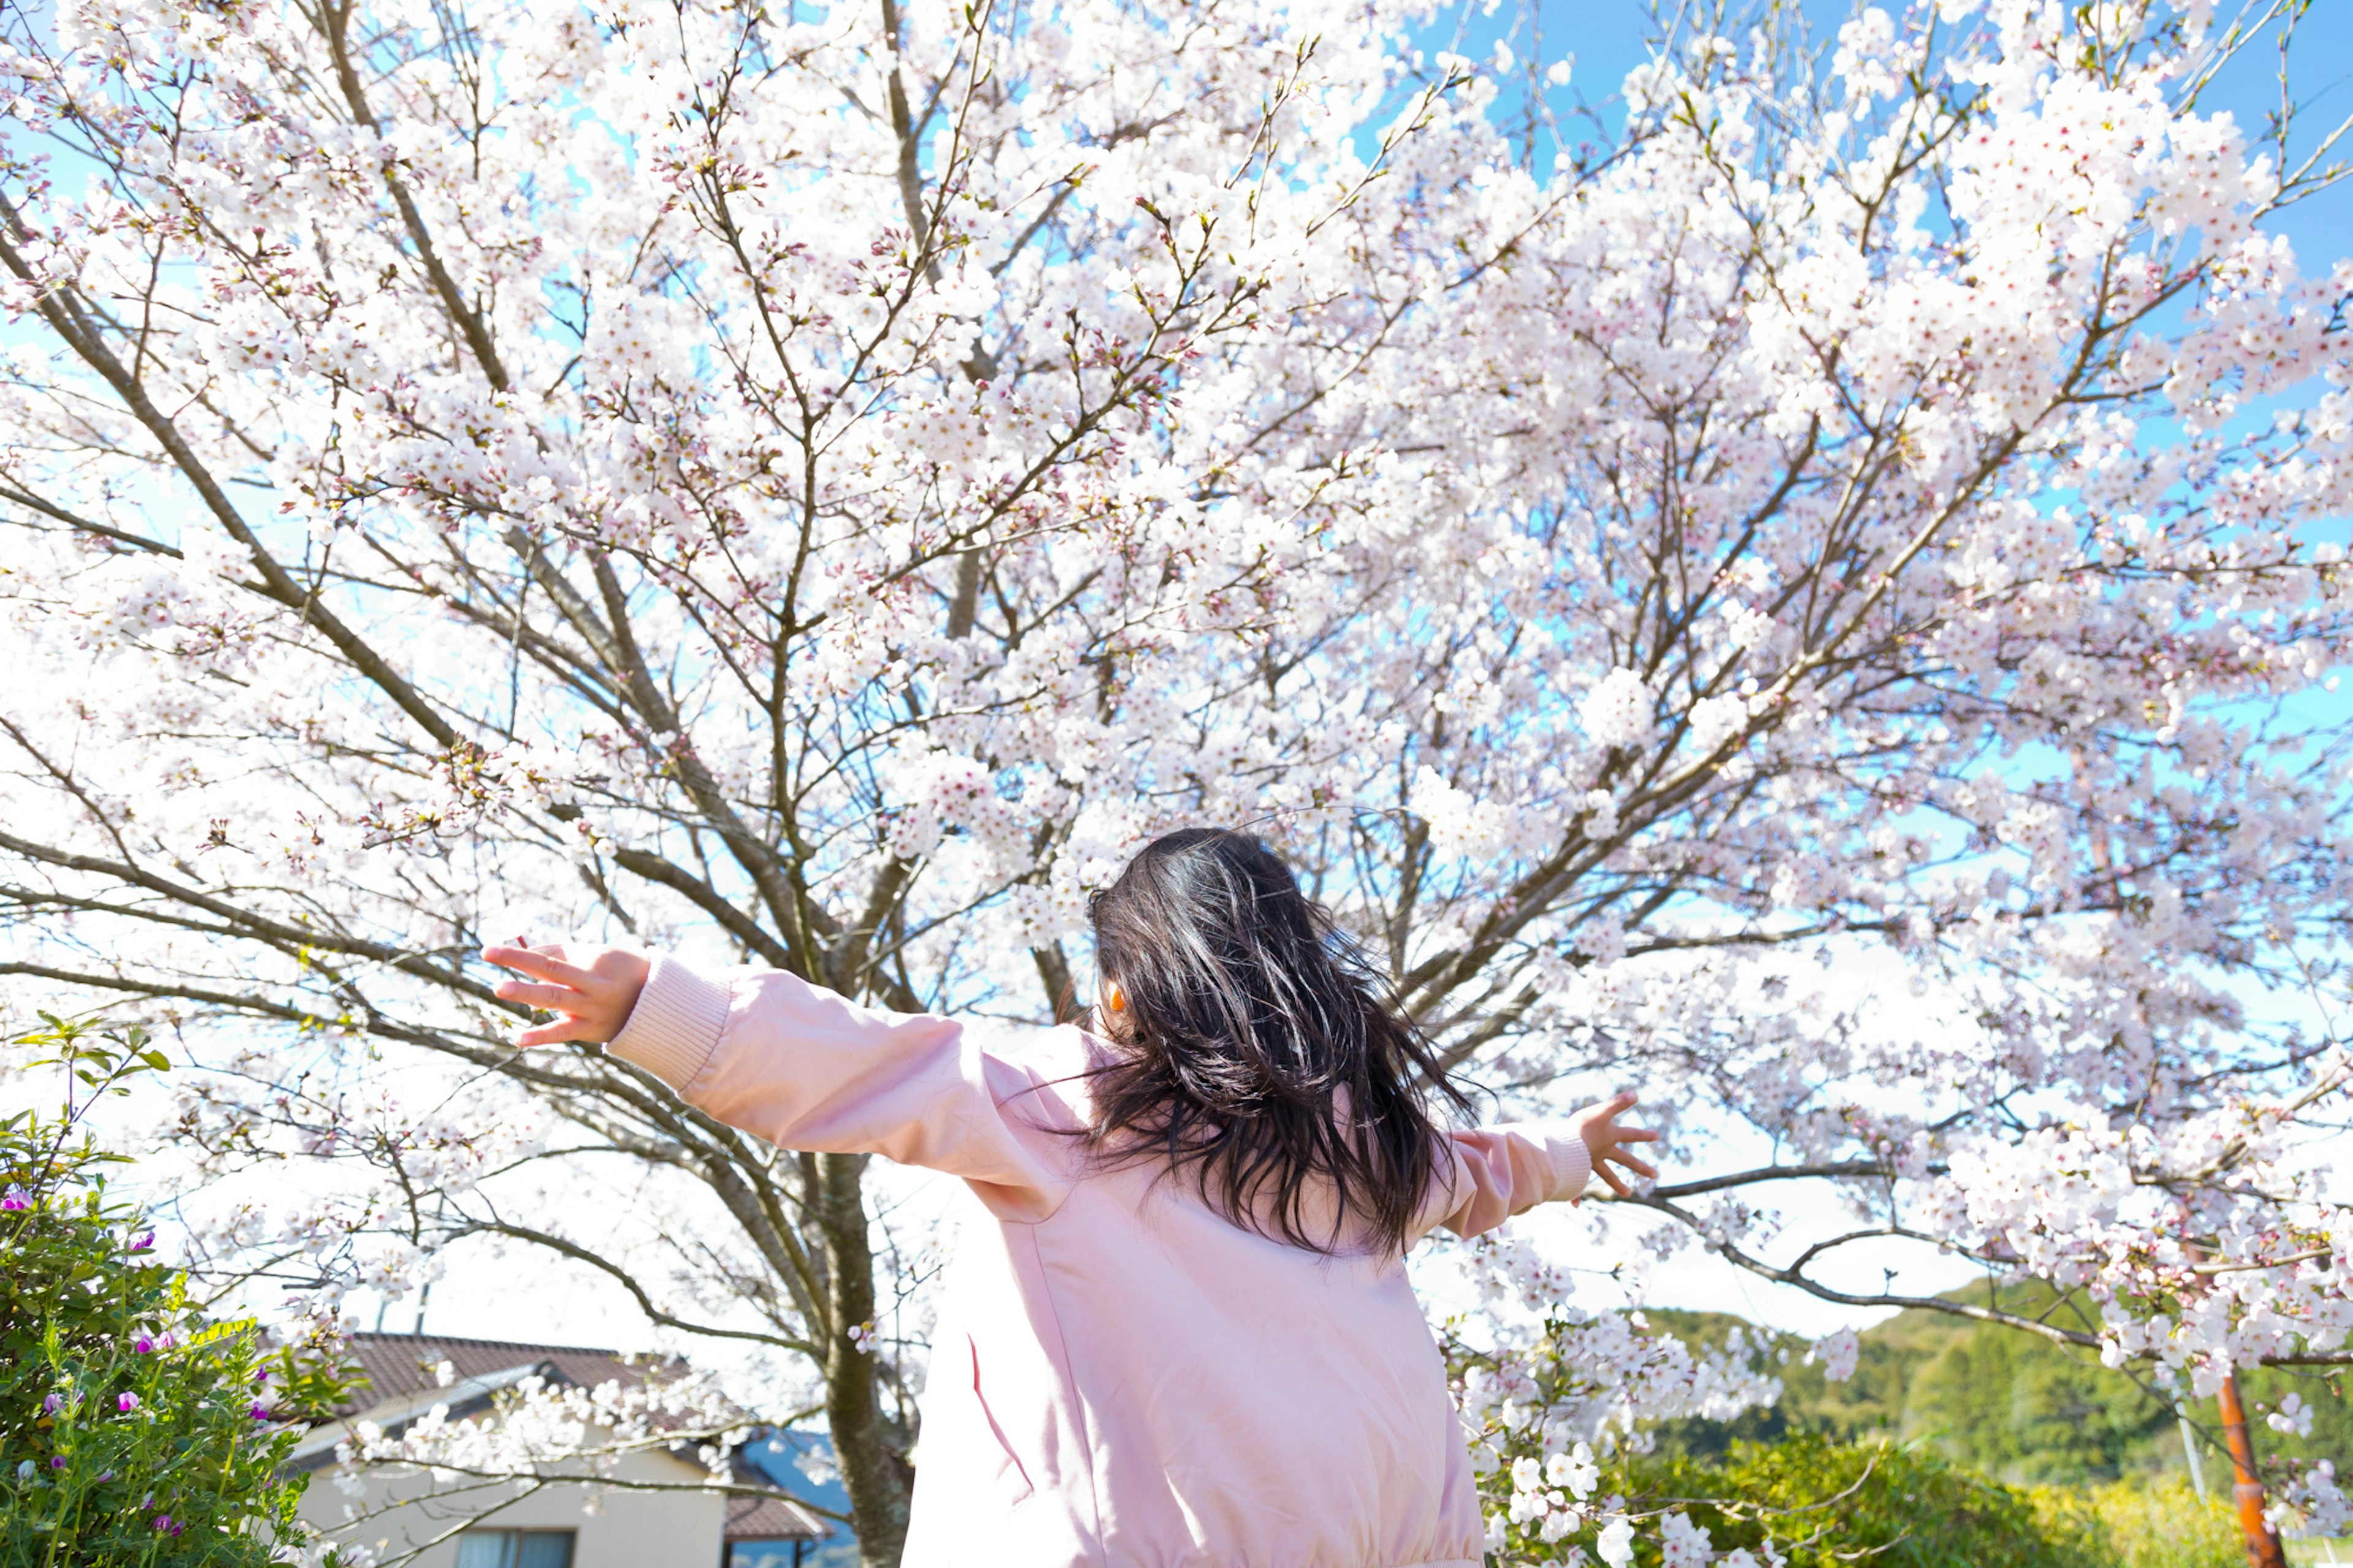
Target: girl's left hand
[1605, 1140]
[591, 1000]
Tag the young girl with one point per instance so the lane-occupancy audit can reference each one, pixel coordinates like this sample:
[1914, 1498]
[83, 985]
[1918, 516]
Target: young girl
[1187, 1337]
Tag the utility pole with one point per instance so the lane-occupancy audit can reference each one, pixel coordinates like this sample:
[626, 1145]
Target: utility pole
[2263, 1549]
[2189, 1452]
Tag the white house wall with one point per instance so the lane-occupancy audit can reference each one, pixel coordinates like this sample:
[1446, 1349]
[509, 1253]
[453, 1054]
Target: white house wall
[402, 1512]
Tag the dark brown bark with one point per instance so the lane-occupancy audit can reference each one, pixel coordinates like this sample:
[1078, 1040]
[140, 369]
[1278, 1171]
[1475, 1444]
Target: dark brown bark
[1054, 975]
[870, 1452]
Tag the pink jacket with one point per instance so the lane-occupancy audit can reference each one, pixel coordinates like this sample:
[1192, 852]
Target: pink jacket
[1120, 1377]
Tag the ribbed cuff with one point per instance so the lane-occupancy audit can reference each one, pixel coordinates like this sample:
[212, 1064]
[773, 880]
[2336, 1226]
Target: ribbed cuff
[1572, 1162]
[675, 1026]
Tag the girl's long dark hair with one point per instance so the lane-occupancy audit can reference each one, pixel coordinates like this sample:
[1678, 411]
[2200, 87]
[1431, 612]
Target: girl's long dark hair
[1262, 1054]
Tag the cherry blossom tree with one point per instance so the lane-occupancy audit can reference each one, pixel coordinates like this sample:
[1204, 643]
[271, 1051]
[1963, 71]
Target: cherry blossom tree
[1820, 602]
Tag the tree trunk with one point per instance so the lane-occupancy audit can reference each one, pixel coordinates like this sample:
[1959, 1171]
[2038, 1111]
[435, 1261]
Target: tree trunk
[873, 1465]
[2263, 1549]
[1054, 975]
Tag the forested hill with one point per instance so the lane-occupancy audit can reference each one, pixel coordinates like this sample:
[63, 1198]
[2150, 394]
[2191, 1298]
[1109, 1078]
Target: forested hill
[2015, 1405]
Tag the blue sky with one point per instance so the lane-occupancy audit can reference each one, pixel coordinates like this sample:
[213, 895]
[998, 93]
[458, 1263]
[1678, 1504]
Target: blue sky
[1605, 38]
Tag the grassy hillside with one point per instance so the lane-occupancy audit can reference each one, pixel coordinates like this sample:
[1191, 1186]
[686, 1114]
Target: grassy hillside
[2012, 1404]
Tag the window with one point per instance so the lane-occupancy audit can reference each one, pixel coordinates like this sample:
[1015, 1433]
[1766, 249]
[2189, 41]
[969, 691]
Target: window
[515, 1549]
[765, 1554]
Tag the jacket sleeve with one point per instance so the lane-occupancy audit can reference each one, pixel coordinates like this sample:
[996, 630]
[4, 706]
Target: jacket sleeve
[808, 1070]
[1494, 1172]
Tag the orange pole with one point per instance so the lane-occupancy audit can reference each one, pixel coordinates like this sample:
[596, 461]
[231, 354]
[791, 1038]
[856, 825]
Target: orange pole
[2263, 1549]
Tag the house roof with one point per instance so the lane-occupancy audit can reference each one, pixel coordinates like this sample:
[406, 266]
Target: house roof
[405, 1369]
[399, 1365]
[775, 1517]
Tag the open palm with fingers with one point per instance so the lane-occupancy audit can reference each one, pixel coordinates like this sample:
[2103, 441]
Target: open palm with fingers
[591, 999]
[1606, 1142]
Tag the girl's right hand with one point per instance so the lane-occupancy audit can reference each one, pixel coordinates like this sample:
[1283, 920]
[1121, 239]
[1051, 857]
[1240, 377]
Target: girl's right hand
[1605, 1140]
[591, 1001]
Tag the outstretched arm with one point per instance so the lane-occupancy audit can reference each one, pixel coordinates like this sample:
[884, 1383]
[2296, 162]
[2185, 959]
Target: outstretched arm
[804, 1068]
[1499, 1172]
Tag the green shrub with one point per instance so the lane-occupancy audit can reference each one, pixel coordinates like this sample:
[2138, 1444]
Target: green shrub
[132, 1429]
[2153, 1526]
[1827, 1503]
[1823, 1503]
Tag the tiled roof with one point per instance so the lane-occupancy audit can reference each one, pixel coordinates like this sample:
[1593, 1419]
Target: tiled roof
[775, 1518]
[400, 1365]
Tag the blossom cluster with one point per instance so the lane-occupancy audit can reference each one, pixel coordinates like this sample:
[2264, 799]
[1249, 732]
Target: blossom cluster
[1550, 1392]
[538, 1428]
